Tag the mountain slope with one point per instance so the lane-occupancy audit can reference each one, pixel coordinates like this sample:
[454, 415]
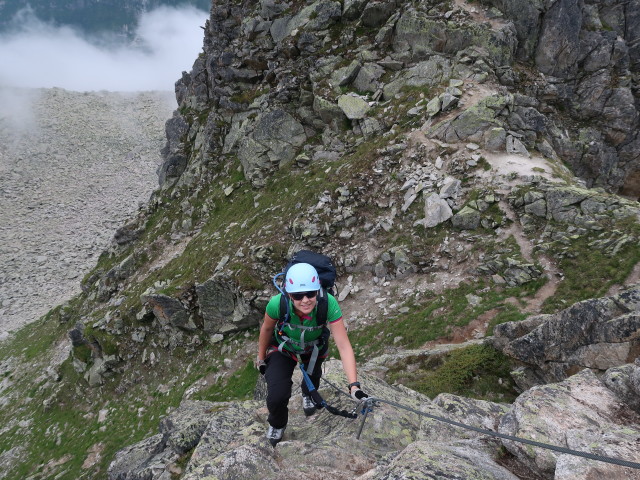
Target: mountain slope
[419, 144]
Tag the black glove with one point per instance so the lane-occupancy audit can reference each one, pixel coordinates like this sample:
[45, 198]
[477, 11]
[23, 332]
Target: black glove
[358, 394]
[261, 366]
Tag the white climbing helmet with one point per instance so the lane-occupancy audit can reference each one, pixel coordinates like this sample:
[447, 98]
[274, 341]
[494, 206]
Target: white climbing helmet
[302, 277]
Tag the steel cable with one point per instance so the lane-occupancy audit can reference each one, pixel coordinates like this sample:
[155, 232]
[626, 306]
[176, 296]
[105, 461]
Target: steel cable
[369, 403]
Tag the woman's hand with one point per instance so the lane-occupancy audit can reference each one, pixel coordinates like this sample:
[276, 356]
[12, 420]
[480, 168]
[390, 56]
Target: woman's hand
[266, 332]
[261, 365]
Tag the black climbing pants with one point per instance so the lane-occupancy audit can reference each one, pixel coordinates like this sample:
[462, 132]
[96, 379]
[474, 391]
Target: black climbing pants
[278, 375]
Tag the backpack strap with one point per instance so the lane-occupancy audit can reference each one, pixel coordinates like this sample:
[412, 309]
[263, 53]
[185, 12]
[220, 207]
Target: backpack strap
[322, 307]
[284, 310]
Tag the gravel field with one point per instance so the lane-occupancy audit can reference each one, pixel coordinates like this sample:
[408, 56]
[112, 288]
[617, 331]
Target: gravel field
[73, 167]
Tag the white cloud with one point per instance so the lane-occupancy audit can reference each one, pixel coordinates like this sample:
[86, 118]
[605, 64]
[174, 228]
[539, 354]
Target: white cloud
[39, 55]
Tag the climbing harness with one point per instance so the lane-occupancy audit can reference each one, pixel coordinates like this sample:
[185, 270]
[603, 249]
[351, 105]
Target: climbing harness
[370, 402]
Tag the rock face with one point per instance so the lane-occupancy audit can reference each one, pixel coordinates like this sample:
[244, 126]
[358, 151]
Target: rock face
[595, 334]
[226, 440]
[580, 413]
[265, 70]
[272, 140]
[588, 53]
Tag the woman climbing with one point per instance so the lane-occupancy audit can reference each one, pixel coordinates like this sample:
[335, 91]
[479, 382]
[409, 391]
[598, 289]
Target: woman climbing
[302, 338]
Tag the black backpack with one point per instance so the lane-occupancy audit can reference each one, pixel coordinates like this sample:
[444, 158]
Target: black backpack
[326, 272]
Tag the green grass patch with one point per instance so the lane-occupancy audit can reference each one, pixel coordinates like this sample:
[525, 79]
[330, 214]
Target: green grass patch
[432, 316]
[477, 371]
[239, 386]
[249, 95]
[63, 425]
[589, 273]
[34, 338]
[506, 313]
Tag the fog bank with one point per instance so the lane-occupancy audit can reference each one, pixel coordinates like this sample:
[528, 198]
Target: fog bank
[36, 54]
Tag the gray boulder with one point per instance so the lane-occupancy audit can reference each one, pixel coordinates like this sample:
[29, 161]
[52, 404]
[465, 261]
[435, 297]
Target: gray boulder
[346, 75]
[495, 139]
[377, 12]
[183, 427]
[174, 161]
[276, 139]
[457, 461]
[328, 111]
[450, 188]
[271, 8]
[368, 78]
[466, 219]
[222, 306]
[352, 9]
[145, 460]
[317, 16]
[515, 146]
[432, 72]
[100, 368]
[478, 413]
[625, 382]
[354, 107]
[168, 310]
[474, 122]
[436, 211]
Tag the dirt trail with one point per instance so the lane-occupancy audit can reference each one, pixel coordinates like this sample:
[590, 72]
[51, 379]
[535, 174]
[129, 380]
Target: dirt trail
[551, 271]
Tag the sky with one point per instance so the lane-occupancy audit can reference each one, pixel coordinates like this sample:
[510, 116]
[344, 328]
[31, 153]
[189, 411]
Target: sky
[39, 55]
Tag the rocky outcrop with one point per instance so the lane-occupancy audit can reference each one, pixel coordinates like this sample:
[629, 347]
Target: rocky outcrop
[245, 81]
[571, 205]
[419, 35]
[596, 334]
[589, 54]
[273, 139]
[223, 308]
[218, 307]
[412, 47]
[168, 311]
[227, 439]
[580, 413]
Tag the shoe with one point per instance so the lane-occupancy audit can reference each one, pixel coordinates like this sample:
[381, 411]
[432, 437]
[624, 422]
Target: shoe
[308, 406]
[275, 434]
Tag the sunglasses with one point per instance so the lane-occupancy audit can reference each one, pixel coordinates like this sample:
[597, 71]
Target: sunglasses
[300, 295]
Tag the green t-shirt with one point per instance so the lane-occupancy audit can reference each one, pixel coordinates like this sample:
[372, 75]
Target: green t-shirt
[334, 314]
